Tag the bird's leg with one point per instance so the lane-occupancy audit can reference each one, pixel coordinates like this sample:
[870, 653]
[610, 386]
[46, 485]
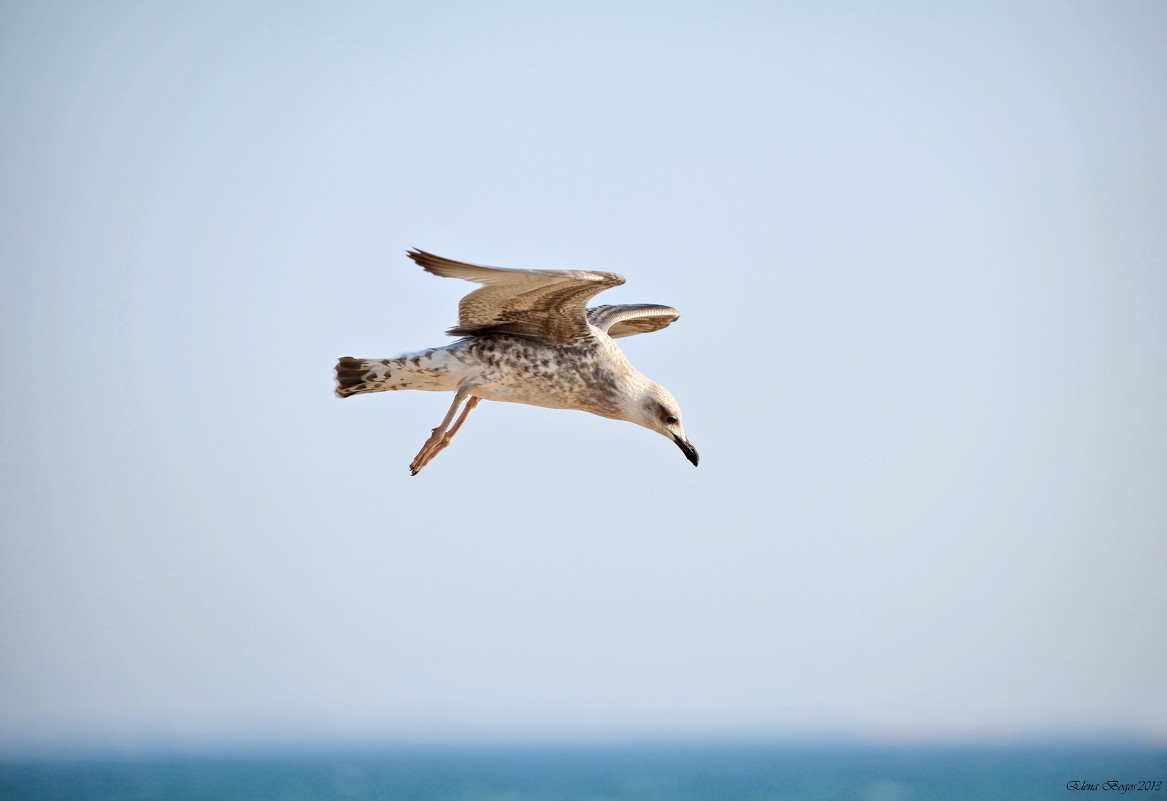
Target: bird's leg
[441, 437]
[469, 407]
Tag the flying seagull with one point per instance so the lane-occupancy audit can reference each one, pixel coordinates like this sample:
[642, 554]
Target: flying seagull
[529, 337]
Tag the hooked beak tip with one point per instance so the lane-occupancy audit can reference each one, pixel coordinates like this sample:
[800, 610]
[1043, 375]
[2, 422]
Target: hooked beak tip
[687, 449]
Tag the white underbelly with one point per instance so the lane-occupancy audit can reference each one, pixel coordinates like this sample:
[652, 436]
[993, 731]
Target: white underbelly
[531, 396]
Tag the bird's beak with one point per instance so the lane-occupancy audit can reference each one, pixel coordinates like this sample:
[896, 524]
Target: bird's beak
[688, 449]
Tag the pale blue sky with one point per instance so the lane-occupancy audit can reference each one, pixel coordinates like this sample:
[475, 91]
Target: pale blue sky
[920, 252]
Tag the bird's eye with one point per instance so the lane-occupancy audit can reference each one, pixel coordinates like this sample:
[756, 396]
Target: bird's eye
[670, 420]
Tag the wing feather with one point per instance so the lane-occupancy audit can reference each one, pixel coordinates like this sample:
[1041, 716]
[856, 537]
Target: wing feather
[624, 321]
[548, 304]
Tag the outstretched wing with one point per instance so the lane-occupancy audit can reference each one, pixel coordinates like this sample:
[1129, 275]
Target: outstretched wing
[624, 321]
[547, 304]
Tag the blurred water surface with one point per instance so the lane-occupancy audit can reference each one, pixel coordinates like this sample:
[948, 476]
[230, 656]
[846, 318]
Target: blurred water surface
[640, 773]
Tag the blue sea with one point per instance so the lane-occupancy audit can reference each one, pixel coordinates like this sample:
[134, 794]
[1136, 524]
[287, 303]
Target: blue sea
[641, 773]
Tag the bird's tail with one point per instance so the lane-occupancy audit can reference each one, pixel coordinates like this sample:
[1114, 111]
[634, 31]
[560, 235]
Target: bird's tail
[354, 376]
[357, 376]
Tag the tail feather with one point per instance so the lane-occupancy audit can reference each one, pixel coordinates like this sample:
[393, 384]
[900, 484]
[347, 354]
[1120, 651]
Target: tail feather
[428, 370]
[350, 376]
[354, 376]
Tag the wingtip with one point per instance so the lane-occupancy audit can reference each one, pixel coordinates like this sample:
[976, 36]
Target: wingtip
[425, 260]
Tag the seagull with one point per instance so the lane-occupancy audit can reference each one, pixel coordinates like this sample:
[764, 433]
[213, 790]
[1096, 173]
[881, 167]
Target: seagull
[527, 336]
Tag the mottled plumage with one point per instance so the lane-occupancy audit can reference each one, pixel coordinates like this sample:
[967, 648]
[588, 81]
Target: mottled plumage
[528, 337]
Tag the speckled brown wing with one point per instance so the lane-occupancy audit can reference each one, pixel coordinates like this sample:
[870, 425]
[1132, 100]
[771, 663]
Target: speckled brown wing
[624, 321]
[546, 304]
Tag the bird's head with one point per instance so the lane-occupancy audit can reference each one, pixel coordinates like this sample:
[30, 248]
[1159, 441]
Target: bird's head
[658, 410]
